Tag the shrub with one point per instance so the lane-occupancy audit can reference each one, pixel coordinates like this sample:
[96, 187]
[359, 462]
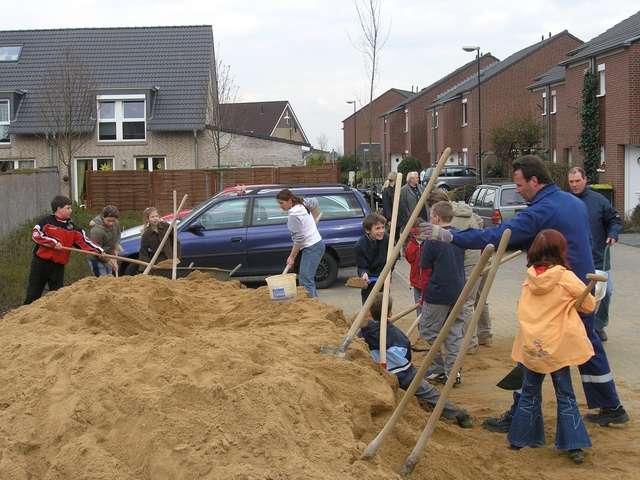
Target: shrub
[632, 222]
[590, 120]
[409, 164]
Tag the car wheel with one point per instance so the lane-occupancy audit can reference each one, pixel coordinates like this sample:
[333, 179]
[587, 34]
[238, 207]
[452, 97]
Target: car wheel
[327, 271]
[130, 268]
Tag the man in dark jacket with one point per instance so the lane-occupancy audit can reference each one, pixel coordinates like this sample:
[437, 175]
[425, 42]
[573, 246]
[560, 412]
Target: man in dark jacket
[550, 207]
[605, 224]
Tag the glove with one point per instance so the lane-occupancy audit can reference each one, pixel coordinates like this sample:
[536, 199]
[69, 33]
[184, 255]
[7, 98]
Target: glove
[436, 232]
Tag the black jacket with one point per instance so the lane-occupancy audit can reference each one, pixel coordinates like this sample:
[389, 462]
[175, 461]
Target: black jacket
[371, 255]
[150, 242]
[387, 202]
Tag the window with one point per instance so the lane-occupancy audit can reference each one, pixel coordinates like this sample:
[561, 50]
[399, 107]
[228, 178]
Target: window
[121, 119]
[8, 165]
[544, 103]
[4, 121]
[386, 127]
[601, 81]
[554, 157]
[476, 198]
[338, 206]
[569, 156]
[406, 120]
[603, 159]
[510, 196]
[465, 157]
[81, 167]
[553, 101]
[150, 164]
[267, 211]
[489, 198]
[229, 214]
[10, 54]
[435, 119]
[464, 112]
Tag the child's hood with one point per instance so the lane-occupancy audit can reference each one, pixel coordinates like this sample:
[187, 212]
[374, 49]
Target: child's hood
[545, 282]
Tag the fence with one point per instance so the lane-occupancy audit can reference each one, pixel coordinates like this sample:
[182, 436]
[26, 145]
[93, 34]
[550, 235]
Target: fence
[26, 195]
[135, 190]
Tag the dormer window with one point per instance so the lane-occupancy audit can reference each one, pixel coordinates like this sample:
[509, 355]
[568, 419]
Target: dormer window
[10, 53]
[121, 118]
[4, 121]
[287, 119]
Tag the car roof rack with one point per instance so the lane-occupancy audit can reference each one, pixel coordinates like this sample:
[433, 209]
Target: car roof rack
[257, 190]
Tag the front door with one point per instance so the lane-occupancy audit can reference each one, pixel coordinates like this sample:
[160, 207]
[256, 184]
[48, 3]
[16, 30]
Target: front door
[632, 178]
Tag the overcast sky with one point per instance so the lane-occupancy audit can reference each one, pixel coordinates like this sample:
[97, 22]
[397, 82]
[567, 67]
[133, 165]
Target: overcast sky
[303, 50]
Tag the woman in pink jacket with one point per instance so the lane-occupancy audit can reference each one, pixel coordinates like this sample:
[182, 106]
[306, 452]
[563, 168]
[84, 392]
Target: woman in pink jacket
[551, 337]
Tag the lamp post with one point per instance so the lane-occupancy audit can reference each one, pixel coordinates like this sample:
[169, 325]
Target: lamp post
[355, 143]
[477, 50]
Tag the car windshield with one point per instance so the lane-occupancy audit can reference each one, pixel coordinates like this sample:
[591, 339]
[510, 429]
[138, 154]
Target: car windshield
[428, 172]
[510, 196]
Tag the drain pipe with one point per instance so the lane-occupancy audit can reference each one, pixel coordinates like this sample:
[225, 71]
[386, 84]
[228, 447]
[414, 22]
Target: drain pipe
[195, 149]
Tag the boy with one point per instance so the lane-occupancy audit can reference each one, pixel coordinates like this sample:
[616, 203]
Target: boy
[371, 251]
[105, 231]
[399, 363]
[50, 234]
[444, 267]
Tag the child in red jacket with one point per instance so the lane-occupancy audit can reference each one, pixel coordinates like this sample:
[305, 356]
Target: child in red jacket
[418, 277]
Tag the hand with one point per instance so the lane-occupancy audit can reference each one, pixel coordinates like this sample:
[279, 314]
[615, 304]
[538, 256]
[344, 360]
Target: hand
[114, 264]
[436, 232]
[611, 241]
[291, 261]
[58, 246]
[365, 277]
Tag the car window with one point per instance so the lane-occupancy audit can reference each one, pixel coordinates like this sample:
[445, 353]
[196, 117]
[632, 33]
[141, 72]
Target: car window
[456, 172]
[489, 198]
[266, 211]
[470, 172]
[510, 196]
[474, 196]
[228, 214]
[337, 206]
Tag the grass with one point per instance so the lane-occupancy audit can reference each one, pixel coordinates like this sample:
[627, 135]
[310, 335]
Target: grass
[16, 251]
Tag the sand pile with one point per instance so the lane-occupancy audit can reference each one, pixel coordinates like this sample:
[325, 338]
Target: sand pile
[144, 378]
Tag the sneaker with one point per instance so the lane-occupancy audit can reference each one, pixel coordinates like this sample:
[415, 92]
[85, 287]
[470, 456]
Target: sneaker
[485, 340]
[437, 378]
[458, 381]
[498, 425]
[463, 419]
[603, 335]
[420, 345]
[577, 455]
[607, 416]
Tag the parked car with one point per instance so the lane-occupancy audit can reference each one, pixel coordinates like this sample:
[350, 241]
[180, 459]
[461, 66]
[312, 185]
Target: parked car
[496, 203]
[248, 227]
[452, 176]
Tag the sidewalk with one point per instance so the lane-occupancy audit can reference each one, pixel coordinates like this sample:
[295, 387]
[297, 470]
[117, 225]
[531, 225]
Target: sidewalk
[631, 239]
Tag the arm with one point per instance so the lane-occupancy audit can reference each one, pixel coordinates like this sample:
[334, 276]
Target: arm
[361, 261]
[612, 222]
[524, 228]
[575, 287]
[143, 253]
[291, 260]
[81, 241]
[41, 238]
[314, 207]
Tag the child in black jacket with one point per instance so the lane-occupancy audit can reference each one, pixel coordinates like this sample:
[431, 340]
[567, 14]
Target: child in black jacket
[399, 363]
[371, 251]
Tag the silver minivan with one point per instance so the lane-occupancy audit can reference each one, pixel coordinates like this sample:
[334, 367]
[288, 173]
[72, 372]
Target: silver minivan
[496, 203]
[452, 176]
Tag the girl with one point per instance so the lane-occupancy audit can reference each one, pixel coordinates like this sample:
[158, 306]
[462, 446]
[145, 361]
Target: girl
[550, 338]
[152, 234]
[306, 239]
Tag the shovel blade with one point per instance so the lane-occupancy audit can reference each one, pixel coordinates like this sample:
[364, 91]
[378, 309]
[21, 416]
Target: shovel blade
[339, 352]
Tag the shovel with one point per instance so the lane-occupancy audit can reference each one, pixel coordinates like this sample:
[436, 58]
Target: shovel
[163, 264]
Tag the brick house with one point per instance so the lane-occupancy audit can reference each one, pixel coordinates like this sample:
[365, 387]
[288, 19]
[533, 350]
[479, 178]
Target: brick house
[405, 125]
[614, 56]
[355, 128]
[151, 89]
[503, 98]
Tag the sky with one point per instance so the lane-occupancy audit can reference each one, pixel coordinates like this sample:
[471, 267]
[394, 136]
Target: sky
[304, 51]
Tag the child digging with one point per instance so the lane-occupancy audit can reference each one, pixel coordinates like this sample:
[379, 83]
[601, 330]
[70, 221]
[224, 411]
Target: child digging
[371, 251]
[551, 337]
[399, 363]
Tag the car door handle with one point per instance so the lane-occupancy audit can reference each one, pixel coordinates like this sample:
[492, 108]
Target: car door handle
[236, 239]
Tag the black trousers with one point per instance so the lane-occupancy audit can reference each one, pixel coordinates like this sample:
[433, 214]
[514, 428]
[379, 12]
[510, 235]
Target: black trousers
[43, 273]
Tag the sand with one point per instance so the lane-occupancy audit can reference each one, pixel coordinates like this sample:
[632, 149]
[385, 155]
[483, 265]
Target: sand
[144, 378]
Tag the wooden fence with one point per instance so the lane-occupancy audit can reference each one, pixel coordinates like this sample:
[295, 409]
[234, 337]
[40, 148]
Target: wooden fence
[134, 190]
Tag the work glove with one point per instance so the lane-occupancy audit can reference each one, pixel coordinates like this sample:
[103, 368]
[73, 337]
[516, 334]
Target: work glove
[436, 232]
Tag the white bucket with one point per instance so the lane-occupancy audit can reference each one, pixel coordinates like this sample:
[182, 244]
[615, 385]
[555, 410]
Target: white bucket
[282, 287]
[601, 287]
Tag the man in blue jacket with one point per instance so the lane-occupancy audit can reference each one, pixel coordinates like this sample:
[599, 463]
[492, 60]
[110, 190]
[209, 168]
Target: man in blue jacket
[605, 224]
[550, 207]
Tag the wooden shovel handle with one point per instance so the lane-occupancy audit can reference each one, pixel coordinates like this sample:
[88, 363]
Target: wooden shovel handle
[593, 279]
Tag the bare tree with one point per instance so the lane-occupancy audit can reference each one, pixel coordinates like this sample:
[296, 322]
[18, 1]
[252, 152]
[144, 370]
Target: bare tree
[371, 43]
[323, 142]
[222, 90]
[68, 108]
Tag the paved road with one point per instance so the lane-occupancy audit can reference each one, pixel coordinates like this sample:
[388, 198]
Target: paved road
[624, 329]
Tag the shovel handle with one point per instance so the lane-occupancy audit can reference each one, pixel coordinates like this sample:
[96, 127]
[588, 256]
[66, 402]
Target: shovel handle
[593, 279]
[286, 269]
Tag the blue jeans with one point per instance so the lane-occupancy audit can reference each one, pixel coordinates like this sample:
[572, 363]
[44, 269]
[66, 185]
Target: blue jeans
[309, 260]
[602, 314]
[527, 427]
[99, 269]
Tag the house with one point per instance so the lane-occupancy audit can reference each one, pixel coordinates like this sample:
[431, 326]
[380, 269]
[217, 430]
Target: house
[453, 116]
[148, 98]
[614, 57]
[355, 128]
[405, 125]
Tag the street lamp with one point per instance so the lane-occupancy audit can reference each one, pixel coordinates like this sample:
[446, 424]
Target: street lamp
[472, 48]
[355, 143]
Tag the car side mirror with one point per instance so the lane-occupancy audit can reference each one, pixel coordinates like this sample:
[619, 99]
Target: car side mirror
[196, 227]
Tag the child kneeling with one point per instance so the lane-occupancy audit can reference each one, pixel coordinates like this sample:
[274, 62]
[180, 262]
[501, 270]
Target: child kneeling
[399, 363]
[550, 338]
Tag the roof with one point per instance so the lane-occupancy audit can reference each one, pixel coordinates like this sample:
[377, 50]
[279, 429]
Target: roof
[494, 69]
[440, 81]
[174, 59]
[404, 93]
[552, 76]
[620, 35]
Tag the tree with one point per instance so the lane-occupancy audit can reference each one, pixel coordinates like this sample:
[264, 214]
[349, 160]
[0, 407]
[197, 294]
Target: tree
[68, 107]
[371, 43]
[590, 134]
[323, 142]
[315, 160]
[409, 164]
[516, 137]
[221, 90]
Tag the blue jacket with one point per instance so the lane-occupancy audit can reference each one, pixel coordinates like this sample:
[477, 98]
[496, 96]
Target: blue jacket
[551, 208]
[605, 222]
[398, 346]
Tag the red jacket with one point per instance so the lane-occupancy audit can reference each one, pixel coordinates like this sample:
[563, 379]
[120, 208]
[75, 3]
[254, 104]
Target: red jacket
[50, 230]
[418, 277]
